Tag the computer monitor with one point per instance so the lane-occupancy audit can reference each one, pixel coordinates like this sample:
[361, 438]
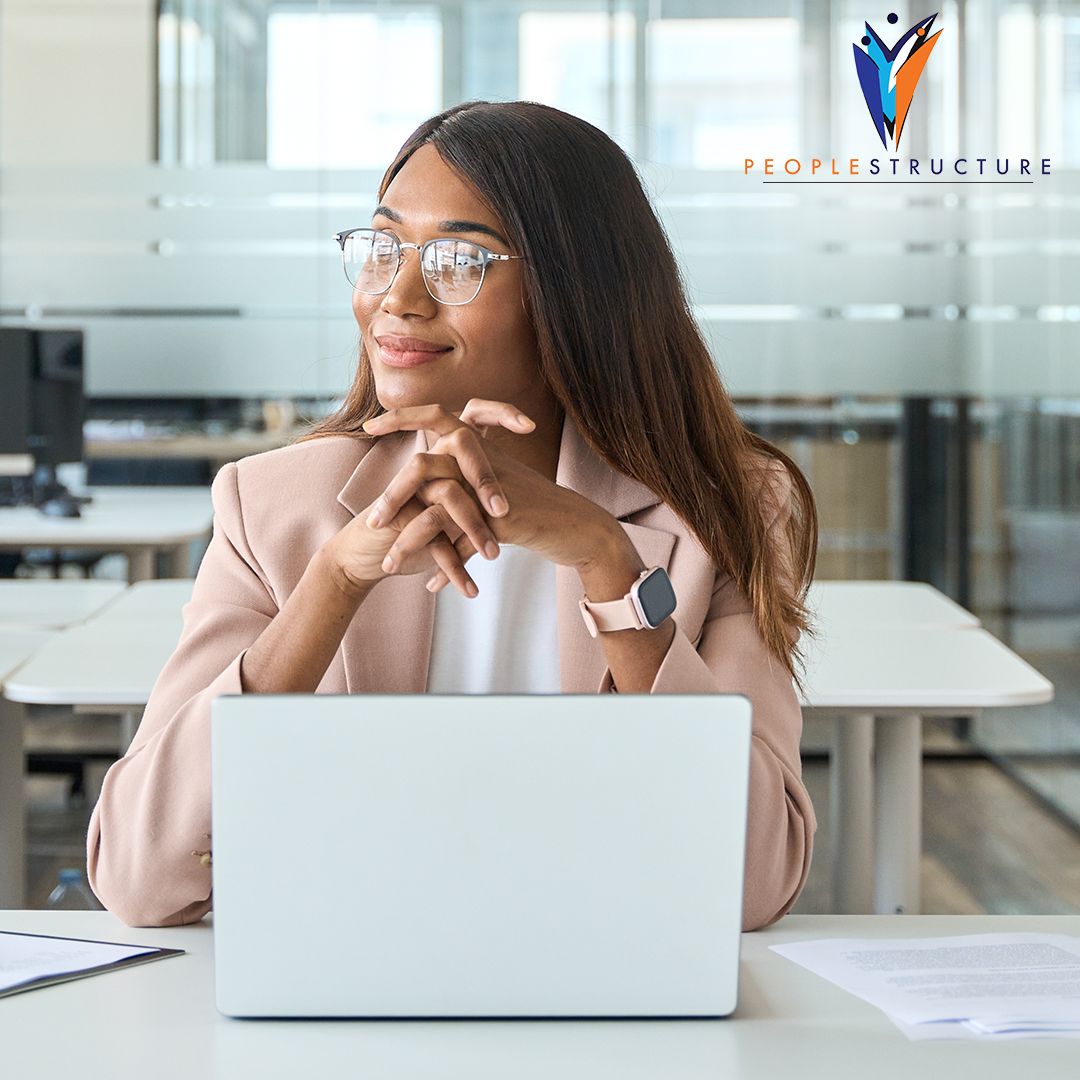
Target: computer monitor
[16, 364]
[44, 413]
[43, 406]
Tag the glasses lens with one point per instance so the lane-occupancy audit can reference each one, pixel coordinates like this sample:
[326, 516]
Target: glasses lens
[454, 270]
[370, 258]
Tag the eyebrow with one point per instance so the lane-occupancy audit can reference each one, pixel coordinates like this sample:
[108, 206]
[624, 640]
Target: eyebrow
[452, 225]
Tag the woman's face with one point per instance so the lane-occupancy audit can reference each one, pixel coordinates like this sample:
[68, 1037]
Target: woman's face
[490, 344]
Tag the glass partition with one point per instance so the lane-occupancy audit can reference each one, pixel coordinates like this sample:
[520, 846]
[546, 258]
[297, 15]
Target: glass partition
[877, 331]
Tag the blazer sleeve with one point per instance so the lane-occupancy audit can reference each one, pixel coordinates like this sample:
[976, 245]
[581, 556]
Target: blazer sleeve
[730, 657]
[151, 824]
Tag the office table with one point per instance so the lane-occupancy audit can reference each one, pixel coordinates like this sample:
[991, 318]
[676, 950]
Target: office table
[138, 521]
[880, 681]
[51, 603]
[108, 664]
[111, 663]
[160, 1019]
[192, 445]
[845, 606]
[890, 603]
[107, 667]
[162, 601]
[16, 644]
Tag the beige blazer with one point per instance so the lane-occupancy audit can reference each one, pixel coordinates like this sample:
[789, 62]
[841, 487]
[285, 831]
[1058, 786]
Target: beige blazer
[272, 512]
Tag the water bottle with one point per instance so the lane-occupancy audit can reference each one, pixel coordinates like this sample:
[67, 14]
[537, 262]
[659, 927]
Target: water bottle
[72, 894]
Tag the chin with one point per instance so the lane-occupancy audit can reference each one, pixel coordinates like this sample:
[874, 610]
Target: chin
[404, 391]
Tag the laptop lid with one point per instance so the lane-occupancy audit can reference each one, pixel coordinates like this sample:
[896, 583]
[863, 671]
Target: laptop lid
[460, 855]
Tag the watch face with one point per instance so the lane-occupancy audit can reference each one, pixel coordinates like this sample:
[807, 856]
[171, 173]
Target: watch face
[656, 596]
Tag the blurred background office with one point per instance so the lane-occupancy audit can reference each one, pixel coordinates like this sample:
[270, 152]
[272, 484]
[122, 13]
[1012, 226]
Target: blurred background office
[171, 173]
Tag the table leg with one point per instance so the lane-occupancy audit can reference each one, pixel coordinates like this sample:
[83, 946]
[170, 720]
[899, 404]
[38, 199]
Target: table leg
[179, 561]
[141, 564]
[898, 790]
[129, 724]
[12, 807]
[851, 810]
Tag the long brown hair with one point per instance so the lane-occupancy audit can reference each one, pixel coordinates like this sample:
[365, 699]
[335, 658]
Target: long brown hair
[619, 347]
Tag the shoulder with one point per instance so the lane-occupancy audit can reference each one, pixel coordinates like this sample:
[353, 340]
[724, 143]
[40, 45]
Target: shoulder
[278, 486]
[278, 507]
[311, 467]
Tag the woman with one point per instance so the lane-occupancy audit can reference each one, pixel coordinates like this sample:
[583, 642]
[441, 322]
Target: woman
[532, 388]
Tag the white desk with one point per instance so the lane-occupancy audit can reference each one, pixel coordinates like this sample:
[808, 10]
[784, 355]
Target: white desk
[883, 680]
[890, 603]
[160, 1019]
[139, 521]
[15, 646]
[112, 662]
[218, 449]
[111, 665]
[161, 601]
[51, 603]
[108, 664]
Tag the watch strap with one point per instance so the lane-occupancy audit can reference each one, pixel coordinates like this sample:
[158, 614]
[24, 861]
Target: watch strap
[618, 614]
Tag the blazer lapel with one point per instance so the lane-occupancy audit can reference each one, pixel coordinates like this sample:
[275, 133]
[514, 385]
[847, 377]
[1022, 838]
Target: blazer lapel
[389, 645]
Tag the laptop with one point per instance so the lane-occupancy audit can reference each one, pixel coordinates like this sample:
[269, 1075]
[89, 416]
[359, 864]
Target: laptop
[457, 855]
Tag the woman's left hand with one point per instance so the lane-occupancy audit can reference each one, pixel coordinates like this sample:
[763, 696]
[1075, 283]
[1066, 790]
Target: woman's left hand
[558, 523]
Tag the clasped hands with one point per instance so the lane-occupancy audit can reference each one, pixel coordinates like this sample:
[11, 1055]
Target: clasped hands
[466, 495]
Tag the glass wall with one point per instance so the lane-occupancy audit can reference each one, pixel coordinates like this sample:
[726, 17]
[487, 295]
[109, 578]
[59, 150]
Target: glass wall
[873, 329]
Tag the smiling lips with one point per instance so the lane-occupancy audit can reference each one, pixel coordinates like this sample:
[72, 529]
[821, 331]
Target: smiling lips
[400, 351]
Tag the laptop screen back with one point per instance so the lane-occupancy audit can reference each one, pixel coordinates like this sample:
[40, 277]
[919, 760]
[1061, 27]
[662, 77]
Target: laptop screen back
[459, 855]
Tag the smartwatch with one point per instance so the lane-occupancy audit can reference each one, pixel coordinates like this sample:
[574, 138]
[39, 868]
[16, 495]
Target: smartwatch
[649, 602]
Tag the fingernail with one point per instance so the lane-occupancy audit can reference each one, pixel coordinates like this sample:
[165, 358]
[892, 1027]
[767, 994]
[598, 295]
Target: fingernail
[374, 518]
[491, 549]
[470, 588]
[388, 564]
[430, 586]
[498, 504]
[523, 419]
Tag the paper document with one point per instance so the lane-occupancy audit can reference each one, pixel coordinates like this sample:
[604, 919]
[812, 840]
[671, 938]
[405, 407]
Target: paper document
[31, 960]
[990, 985]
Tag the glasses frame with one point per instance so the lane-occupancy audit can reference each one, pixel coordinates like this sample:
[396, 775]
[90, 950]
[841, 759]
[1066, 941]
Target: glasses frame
[489, 256]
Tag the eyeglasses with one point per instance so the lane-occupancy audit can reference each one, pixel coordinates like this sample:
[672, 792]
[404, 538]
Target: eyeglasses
[453, 270]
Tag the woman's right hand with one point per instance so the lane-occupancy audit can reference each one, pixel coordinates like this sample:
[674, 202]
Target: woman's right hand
[448, 501]
[358, 550]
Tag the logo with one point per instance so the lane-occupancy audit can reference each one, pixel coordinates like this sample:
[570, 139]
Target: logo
[888, 77]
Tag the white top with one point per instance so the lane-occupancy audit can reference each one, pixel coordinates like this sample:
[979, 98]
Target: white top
[504, 639]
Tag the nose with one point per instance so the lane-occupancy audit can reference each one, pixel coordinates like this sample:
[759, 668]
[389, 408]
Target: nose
[408, 293]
